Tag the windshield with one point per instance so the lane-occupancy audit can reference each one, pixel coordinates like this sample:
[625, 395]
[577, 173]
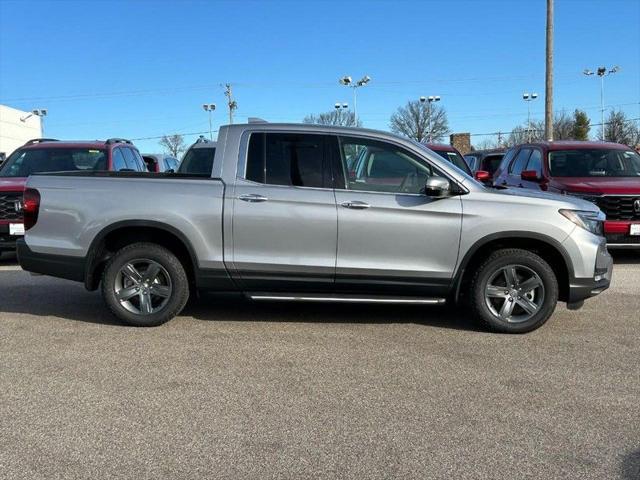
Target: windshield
[596, 162]
[456, 159]
[24, 162]
[198, 161]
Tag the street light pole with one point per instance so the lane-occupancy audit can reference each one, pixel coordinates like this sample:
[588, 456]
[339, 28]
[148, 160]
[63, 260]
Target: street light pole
[430, 99]
[339, 108]
[528, 98]
[209, 107]
[348, 82]
[602, 72]
[38, 112]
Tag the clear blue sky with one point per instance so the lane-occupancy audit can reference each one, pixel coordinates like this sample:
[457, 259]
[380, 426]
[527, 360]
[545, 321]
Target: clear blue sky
[143, 68]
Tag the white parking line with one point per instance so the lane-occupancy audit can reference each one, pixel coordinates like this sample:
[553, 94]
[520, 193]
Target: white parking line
[10, 267]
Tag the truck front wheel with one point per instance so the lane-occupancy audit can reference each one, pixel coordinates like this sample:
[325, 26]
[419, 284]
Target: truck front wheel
[145, 285]
[514, 291]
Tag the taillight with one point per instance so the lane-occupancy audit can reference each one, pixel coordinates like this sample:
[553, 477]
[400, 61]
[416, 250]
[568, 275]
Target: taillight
[30, 207]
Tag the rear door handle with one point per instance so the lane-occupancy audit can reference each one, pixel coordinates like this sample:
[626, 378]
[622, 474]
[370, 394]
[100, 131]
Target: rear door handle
[252, 198]
[356, 205]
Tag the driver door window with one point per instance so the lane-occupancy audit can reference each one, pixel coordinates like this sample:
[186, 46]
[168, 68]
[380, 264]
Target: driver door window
[381, 167]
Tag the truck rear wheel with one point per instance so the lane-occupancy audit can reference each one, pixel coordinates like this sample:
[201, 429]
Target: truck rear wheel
[145, 285]
[514, 291]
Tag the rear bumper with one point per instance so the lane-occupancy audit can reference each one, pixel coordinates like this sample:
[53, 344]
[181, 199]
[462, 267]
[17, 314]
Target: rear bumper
[61, 266]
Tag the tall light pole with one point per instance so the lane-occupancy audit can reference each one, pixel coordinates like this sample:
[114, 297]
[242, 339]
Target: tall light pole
[602, 72]
[348, 82]
[339, 108]
[529, 97]
[38, 112]
[209, 107]
[430, 99]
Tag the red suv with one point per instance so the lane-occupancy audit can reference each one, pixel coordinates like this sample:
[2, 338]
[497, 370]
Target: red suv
[49, 155]
[607, 174]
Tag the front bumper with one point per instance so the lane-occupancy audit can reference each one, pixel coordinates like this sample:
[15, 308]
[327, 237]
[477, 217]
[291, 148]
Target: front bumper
[618, 234]
[583, 288]
[7, 242]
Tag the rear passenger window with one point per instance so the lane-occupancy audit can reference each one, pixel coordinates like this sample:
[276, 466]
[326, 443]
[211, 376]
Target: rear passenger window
[286, 159]
[520, 161]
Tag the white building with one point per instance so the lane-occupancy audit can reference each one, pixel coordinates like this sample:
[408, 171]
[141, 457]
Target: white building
[16, 127]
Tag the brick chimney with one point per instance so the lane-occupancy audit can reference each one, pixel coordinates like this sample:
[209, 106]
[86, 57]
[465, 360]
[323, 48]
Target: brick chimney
[461, 141]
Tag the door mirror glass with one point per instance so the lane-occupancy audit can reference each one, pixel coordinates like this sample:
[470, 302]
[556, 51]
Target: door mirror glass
[530, 176]
[437, 187]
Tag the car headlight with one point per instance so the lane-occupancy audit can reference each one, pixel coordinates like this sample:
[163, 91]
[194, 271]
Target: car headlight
[589, 220]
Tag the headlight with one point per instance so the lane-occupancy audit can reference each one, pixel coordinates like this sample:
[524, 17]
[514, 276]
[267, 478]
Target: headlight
[590, 221]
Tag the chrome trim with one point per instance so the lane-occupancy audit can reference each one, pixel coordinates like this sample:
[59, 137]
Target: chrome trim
[301, 298]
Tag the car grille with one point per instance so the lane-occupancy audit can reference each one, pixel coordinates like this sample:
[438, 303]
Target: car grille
[8, 205]
[618, 208]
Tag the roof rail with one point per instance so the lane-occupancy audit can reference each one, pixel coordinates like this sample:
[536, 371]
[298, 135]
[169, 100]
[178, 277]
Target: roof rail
[109, 141]
[202, 139]
[40, 140]
[256, 120]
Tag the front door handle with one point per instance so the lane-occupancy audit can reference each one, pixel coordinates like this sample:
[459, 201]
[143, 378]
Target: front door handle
[252, 198]
[356, 205]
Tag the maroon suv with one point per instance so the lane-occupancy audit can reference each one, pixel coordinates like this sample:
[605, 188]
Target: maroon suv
[49, 155]
[607, 174]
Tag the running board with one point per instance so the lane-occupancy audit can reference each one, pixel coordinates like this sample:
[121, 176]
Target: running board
[345, 298]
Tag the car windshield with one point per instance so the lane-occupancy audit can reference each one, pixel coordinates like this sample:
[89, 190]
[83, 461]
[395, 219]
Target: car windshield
[24, 162]
[198, 161]
[594, 162]
[456, 159]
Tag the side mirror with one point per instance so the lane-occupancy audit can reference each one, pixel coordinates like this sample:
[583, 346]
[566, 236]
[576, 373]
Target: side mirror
[530, 176]
[482, 176]
[437, 187]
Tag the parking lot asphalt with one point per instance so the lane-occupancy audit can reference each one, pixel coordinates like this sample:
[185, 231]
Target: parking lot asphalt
[234, 389]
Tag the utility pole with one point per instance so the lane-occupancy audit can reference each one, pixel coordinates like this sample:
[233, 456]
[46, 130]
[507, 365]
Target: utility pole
[548, 87]
[230, 101]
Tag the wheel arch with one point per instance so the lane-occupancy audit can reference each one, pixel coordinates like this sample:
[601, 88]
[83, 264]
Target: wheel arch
[126, 232]
[546, 247]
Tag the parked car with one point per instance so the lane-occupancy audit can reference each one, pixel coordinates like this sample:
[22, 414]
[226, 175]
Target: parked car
[199, 158]
[160, 162]
[450, 154]
[606, 174]
[48, 155]
[280, 218]
[485, 160]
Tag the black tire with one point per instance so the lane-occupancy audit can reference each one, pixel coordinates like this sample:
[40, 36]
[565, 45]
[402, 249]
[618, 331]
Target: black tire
[524, 261]
[173, 275]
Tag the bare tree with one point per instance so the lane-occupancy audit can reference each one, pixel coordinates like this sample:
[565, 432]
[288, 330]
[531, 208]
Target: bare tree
[334, 117]
[173, 144]
[563, 126]
[413, 121]
[619, 129]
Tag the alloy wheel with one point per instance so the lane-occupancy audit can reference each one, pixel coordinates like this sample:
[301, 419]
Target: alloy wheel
[514, 293]
[143, 286]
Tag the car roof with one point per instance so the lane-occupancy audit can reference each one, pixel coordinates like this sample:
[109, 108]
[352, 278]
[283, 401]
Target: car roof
[157, 155]
[204, 143]
[492, 151]
[441, 146]
[576, 145]
[50, 143]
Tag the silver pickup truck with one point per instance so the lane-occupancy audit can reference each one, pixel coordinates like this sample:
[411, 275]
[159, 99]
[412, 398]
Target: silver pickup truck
[316, 213]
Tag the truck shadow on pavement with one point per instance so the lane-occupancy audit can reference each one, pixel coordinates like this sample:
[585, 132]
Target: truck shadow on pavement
[63, 300]
[631, 466]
